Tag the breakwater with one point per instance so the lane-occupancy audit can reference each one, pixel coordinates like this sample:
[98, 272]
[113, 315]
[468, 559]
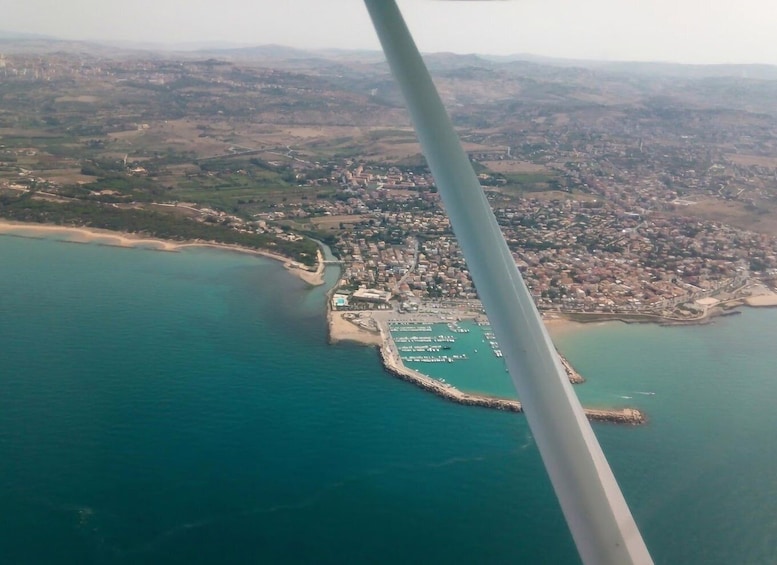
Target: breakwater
[393, 364]
[574, 377]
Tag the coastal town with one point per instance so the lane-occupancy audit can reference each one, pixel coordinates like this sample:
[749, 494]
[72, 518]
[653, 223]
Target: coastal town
[633, 207]
[578, 256]
[621, 217]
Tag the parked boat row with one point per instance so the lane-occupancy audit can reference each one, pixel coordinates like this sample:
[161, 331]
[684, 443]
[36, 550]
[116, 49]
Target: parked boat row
[410, 328]
[454, 327]
[421, 348]
[435, 359]
[425, 339]
[493, 343]
[413, 339]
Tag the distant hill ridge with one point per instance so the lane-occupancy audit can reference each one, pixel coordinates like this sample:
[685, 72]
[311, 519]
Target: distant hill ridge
[19, 42]
[13, 35]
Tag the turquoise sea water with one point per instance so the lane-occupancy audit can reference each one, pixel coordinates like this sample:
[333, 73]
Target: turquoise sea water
[474, 365]
[186, 408]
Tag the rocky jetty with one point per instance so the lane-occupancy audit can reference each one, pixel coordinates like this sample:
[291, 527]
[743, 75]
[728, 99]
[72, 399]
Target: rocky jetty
[394, 365]
[574, 377]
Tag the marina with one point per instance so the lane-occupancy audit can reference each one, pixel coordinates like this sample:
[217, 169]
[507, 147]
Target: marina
[395, 364]
[463, 354]
[417, 348]
[400, 328]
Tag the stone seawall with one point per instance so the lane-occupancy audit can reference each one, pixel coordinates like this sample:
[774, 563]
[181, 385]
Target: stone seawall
[394, 366]
[574, 377]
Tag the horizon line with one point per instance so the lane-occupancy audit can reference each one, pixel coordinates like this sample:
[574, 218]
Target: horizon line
[226, 45]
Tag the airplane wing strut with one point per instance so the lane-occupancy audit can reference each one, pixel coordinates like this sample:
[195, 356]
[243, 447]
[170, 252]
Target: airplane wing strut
[600, 521]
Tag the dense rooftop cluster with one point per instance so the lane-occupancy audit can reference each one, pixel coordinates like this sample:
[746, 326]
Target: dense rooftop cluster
[576, 255]
[275, 149]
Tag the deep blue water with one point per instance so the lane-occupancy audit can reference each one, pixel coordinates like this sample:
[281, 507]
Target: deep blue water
[186, 408]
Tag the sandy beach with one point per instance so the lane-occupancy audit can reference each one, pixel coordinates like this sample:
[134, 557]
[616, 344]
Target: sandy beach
[341, 329]
[762, 301]
[761, 297]
[84, 235]
[558, 325]
[120, 239]
[313, 278]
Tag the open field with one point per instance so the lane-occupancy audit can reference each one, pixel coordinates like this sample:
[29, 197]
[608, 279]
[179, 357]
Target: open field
[733, 213]
[518, 183]
[169, 135]
[548, 195]
[327, 223]
[510, 166]
[67, 176]
[83, 98]
[748, 160]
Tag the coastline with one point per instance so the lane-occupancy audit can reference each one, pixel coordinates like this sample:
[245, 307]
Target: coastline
[129, 240]
[759, 296]
[343, 329]
[363, 328]
[375, 333]
[558, 325]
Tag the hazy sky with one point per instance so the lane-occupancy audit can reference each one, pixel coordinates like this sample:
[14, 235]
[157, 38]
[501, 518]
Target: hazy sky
[694, 31]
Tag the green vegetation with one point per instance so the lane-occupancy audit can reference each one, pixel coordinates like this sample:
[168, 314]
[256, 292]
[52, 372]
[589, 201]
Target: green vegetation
[392, 136]
[524, 182]
[149, 223]
[225, 183]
